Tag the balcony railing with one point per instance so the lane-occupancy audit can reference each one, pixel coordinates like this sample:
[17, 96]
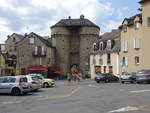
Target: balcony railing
[39, 54]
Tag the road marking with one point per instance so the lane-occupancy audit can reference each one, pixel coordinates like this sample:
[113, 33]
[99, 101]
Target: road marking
[90, 85]
[60, 96]
[140, 91]
[128, 108]
[10, 102]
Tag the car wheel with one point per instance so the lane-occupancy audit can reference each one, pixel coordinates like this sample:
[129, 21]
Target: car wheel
[122, 82]
[45, 85]
[107, 81]
[16, 91]
[98, 81]
[132, 82]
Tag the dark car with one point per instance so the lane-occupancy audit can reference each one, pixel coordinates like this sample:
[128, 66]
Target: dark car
[143, 76]
[128, 77]
[106, 77]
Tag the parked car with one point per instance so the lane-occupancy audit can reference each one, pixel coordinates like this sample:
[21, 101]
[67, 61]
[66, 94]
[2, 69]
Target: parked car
[45, 82]
[35, 84]
[16, 85]
[143, 76]
[106, 77]
[128, 77]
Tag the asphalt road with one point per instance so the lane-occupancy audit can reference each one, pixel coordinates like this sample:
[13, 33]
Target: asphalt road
[87, 97]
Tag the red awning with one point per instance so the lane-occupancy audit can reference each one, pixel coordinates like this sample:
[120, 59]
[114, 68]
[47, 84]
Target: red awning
[38, 68]
[56, 72]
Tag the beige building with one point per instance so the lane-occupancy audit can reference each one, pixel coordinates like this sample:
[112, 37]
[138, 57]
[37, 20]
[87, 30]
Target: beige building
[135, 39]
[35, 54]
[2, 65]
[104, 56]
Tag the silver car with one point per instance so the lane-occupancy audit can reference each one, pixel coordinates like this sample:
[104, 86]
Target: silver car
[16, 85]
[35, 84]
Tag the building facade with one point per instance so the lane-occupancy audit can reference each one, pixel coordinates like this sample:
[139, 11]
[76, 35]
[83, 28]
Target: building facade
[2, 65]
[34, 55]
[104, 56]
[135, 32]
[72, 39]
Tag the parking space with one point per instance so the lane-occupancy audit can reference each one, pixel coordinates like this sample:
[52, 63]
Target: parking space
[86, 97]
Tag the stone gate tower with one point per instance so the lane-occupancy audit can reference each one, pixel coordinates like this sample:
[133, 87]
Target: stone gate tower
[73, 39]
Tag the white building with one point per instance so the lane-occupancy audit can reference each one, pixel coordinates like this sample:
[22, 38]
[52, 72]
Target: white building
[104, 56]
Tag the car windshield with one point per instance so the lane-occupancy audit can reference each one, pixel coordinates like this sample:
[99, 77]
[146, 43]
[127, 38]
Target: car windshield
[143, 72]
[99, 74]
[126, 74]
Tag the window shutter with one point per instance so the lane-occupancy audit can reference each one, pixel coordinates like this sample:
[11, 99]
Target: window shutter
[134, 43]
[123, 45]
[126, 62]
[126, 46]
[42, 50]
[138, 43]
[36, 49]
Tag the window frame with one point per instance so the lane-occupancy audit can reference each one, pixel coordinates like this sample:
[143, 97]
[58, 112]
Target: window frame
[137, 60]
[148, 21]
[31, 40]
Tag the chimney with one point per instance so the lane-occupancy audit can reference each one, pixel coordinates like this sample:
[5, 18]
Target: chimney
[81, 16]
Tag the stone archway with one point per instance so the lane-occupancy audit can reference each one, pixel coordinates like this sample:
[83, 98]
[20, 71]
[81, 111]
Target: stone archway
[75, 68]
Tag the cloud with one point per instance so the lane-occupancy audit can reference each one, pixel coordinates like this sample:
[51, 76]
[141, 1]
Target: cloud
[39, 15]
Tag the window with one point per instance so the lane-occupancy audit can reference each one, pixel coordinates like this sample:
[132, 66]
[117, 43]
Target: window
[125, 28]
[36, 50]
[137, 60]
[125, 45]
[101, 61]
[108, 58]
[31, 40]
[94, 62]
[109, 44]
[137, 25]
[124, 62]
[94, 46]
[148, 21]
[97, 69]
[43, 53]
[14, 39]
[136, 43]
[110, 69]
[101, 46]
[104, 69]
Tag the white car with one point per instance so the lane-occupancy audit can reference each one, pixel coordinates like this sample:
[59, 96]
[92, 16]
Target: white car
[35, 84]
[16, 85]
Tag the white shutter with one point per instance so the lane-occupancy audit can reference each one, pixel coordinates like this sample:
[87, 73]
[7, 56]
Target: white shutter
[126, 62]
[134, 43]
[126, 46]
[42, 50]
[138, 43]
[123, 44]
[36, 49]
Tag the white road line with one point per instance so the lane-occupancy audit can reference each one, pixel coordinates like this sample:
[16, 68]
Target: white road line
[90, 85]
[11, 102]
[140, 91]
[124, 109]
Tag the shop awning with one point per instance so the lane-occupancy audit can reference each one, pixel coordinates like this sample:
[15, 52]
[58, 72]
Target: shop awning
[38, 68]
[56, 72]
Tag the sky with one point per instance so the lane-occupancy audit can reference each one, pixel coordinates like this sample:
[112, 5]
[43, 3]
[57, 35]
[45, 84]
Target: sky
[25, 16]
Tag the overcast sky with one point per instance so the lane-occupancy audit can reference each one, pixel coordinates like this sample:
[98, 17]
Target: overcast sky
[21, 16]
